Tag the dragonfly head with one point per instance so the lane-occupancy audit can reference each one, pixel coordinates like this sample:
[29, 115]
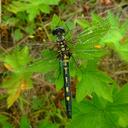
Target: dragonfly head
[59, 31]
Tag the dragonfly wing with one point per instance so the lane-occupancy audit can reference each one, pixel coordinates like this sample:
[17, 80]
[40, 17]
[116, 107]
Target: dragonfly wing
[88, 44]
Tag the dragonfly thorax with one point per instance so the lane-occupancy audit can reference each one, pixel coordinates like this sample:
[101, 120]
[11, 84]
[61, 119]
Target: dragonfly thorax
[58, 31]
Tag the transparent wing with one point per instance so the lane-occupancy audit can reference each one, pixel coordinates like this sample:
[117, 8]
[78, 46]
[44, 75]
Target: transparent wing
[87, 46]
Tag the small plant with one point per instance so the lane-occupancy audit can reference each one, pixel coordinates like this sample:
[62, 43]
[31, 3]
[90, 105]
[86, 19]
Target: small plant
[21, 67]
[27, 7]
[24, 13]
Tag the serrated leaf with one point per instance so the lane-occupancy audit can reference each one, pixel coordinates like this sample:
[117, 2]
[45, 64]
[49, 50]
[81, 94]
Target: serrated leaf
[91, 115]
[116, 35]
[17, 6]
[17, 59]
[20, 6]
[96, 82]
[120, 106]
[99, 113]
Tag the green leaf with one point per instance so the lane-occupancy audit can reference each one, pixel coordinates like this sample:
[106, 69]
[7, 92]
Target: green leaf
[44, 8]
[91, 115]
[20, 78]
[24, 122]
[4, 122]
[17, 59]
[24, 52]
[120, 106]
[15, 86]
[30, 29]
[42, 66]
[122, 50]
[110, 38]
[96, 82]
[116, 36]
[9, 83]
[32, 13]
[114, 33]
[100, 113]
[46, 124]
[50, 2]
[121, 96]
[32, 7]
[17, 6]
[49, 54]
[11, 21]
[3, 118]
[47, 63]
[56, 21]
[18, 34]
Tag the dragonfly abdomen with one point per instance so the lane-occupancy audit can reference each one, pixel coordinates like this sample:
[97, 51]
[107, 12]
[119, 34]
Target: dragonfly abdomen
[67, 90]
[64, 56]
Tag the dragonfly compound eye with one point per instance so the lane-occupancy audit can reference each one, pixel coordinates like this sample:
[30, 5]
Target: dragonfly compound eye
[58, 31]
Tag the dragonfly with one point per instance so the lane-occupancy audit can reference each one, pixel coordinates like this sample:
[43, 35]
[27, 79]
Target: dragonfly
[64, 55]
[76, 55]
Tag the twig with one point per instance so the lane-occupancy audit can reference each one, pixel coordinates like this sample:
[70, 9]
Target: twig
[121, 72]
